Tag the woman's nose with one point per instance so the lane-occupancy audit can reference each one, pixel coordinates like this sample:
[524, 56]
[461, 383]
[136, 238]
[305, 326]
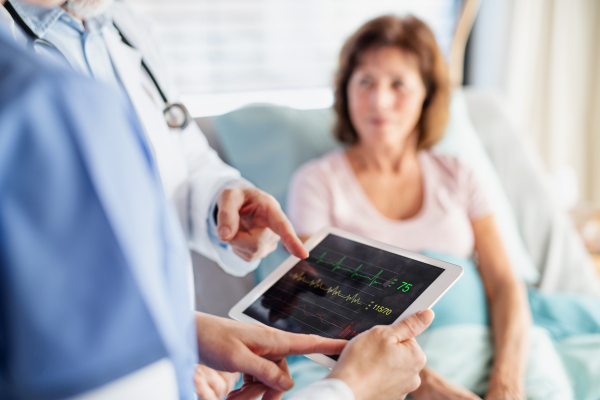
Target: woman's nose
[382, 97]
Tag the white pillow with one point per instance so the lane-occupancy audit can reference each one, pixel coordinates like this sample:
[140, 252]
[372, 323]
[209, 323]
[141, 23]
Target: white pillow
[461, 140]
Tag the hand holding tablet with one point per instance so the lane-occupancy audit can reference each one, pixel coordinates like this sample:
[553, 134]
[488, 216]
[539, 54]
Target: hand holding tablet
[347, 285]
[385, 361]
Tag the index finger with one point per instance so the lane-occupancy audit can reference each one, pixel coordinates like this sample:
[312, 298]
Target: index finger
[299, 344]
[281, 225]
[413, 326]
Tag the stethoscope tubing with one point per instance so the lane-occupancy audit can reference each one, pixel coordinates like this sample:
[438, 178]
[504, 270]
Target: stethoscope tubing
[34, 40]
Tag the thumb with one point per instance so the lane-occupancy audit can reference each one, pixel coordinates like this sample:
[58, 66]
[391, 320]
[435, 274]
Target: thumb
[413, 326]
[267, 372]
[230, 201]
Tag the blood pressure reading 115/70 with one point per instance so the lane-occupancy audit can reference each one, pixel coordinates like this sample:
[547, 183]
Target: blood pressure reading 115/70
[342, 289]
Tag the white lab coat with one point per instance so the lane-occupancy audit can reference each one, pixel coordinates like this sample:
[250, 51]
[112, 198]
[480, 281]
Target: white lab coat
[192, 174]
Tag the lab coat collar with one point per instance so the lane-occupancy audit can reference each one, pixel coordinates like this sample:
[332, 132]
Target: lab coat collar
[6, 23]
[126, 60]
[41, 19]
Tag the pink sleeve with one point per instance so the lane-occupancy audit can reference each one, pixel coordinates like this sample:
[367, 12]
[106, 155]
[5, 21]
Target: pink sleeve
[477, 202]
[309, 200]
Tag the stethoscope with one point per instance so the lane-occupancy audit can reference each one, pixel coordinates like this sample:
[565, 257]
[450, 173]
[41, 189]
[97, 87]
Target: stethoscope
[176, 115]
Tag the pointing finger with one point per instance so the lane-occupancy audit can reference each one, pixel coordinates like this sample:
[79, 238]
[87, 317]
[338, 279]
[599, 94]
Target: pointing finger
[282, 226]
[298, 344]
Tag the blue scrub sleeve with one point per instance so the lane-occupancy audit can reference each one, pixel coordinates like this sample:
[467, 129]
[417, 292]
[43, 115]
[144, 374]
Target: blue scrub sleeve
[72, 317]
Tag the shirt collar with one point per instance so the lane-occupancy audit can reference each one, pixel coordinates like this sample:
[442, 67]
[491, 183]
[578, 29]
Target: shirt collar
[41, 19]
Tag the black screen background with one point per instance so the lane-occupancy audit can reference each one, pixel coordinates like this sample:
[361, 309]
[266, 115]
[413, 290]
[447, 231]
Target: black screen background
[320, 296]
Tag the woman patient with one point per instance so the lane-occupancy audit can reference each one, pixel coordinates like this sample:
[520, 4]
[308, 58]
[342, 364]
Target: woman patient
[392, 104]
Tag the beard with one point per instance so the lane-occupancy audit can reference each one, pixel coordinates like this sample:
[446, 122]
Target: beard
[87, 8]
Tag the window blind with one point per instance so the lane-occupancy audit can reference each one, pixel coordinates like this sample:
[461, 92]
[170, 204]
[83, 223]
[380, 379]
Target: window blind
[230, 47]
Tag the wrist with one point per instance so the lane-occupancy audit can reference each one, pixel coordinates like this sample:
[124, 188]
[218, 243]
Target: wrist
[352, 383]
[502, 381]
[509, 367]
[428, 380]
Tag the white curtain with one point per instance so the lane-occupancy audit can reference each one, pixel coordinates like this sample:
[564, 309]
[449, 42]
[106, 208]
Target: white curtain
[552, 84]
[252, 45]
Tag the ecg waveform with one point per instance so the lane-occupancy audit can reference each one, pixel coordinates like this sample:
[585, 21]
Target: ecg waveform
[302, 307]
[338, 265]
[320, 285]
[405, 286]
[342, 289]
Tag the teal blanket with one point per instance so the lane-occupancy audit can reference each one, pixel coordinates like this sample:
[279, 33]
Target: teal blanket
[564, 359]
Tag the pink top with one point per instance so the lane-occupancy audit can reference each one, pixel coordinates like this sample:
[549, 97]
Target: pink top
[326, 192]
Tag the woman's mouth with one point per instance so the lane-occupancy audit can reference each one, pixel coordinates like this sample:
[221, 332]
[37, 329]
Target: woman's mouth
[378, 121]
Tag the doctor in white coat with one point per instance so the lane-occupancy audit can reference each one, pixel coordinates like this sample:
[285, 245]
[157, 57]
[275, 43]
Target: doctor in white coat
[382, 363]
[223, 217]
[84, 34]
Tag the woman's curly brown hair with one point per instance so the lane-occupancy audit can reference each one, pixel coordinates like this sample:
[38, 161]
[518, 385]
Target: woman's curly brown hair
[411, 35]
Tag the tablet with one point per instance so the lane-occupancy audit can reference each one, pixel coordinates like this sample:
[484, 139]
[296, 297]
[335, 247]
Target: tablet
[347, 285]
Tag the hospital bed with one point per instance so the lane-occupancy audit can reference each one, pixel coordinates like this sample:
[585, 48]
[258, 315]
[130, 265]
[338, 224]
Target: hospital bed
[256, 138]
[267, 143]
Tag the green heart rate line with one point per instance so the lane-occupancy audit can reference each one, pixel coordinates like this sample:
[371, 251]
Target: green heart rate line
[405, 286]
[338, 265]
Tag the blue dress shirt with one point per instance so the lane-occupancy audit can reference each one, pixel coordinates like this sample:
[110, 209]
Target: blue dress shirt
[92, 261]
[82, 46]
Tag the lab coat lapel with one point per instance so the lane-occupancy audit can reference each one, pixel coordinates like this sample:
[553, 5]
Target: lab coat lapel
[149, 108]
[127, 62]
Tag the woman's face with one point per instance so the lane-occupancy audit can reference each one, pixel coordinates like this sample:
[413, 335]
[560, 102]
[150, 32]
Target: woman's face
[385, 97]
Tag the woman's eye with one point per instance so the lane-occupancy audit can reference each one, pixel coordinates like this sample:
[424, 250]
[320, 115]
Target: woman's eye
[364, 82]
[397, 84]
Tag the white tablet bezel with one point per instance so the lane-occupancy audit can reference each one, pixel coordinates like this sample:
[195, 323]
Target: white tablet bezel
[426, 300]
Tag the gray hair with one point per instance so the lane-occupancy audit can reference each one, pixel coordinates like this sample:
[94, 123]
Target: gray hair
[87, 8]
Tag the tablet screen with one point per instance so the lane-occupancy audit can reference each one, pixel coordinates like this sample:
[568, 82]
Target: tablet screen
[342, 289]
